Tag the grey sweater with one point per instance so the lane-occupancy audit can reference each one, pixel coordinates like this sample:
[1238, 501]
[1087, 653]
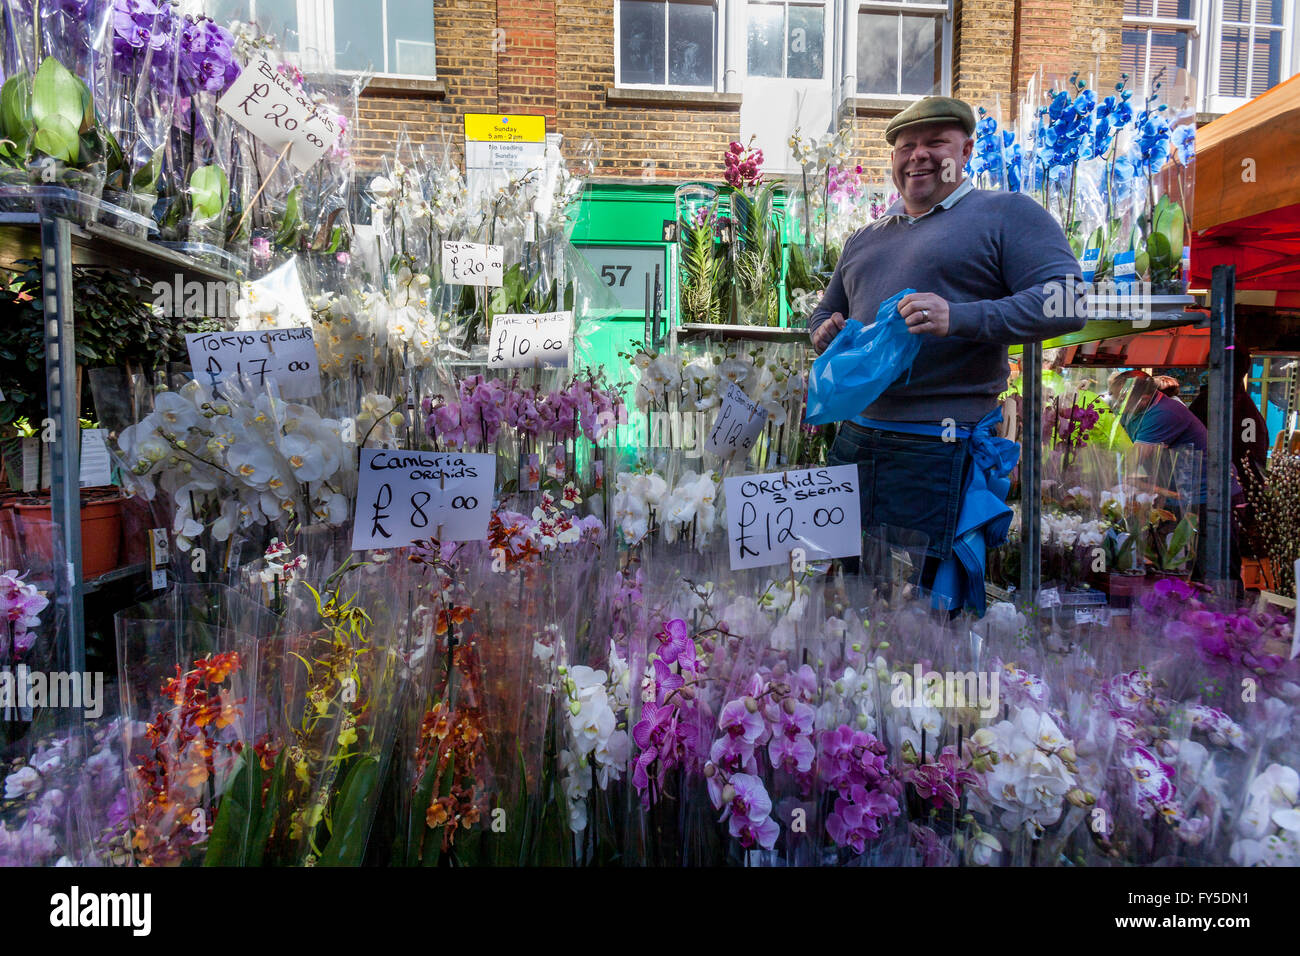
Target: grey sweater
[990, 255]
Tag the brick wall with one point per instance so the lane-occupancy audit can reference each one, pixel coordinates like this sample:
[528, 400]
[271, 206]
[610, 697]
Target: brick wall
[556, 58]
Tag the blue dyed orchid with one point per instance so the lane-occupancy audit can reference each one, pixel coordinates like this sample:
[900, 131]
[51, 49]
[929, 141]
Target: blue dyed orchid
[1184, 140]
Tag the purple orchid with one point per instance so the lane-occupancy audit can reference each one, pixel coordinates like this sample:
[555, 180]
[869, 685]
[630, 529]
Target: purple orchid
[857, 817]
[748, 814]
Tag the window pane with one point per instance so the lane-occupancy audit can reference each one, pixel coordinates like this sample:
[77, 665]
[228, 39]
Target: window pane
[641, 41]
[690, 44]
[806, 42]
[276, 17]
[1268, 11]
[922, 54]
[1238, 10]
[1136, 8]
[877, 53]
[1179, 9]
[1268, 61]
[1232, 61]
[358, 36]
[1133, 57]
[410, 37]
[1168, 55]
[765, 29]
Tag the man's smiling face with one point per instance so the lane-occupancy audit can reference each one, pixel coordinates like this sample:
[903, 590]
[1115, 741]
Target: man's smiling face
[927, 162]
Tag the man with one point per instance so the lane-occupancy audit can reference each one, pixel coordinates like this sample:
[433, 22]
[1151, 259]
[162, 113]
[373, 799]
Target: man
[983, 264]
[1169, 386]
[1154, 420]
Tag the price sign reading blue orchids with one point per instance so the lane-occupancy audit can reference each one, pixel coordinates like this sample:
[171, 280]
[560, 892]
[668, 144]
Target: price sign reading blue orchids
[471, 263]
[815, 509]
[528, 341]
[285, 356]
[266, 103]
[405, 496]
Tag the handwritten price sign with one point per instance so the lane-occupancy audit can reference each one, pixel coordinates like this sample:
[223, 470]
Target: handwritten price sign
[525, 341]
[471, 263]
[817, 509]
[406, 496]
[739, 422]
[264, 102]
[285, 356]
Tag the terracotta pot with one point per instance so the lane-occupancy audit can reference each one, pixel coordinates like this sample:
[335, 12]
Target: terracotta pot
[101, 531]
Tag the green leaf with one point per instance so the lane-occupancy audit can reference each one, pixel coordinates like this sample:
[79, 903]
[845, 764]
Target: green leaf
[353, 814]
[1170, 224]
[260, 833]
[209, 192]
[58, 138]
[59, 100]
[146, 178]
[226, 839]
[415, 829]
[16, 109]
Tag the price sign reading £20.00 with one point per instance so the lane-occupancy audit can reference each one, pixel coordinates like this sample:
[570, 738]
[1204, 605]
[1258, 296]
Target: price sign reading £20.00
[816, 509]
[264, 102]
[471, 263]
[406, 496]
[285, 356]
[526, 341]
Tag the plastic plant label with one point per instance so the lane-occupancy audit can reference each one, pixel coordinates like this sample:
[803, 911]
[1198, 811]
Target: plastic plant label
[739, 422]
[471, 263]
[528, 341]
[1049, 597]
[816, 509]
[1125, 269]
[96, 466]
[405, 496]
[285, 356]
[268, 105]
[1088, 264]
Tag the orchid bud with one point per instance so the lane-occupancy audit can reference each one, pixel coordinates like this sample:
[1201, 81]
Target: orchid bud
[562, 669]
[751, 705]
[788, 705]
[688, 692]
[1067, 754]
[710, 769]
[1080, 798]
[863, 721]
[575, 708]
[728, 793]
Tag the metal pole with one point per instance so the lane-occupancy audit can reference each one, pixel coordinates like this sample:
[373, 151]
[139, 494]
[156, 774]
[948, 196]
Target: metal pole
[1031, 472]
[1218, 468]
[65, 455]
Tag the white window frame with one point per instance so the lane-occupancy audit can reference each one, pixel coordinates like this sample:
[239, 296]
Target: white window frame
[719, 32]
[941, 10]
[316, 34]
[1149, 23]
[1217, 102]
[785, 5]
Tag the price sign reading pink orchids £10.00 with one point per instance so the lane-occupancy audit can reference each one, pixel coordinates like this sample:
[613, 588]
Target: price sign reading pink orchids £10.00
[525, 341]
[471, 263]
[816, 509]
[266, 103]
[405, 496]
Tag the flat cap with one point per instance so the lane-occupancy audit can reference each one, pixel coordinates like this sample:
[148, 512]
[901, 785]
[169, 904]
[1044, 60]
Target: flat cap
[932, 109]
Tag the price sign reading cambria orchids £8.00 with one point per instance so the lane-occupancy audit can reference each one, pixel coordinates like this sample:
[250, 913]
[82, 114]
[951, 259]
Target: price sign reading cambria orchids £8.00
[405, 496]
[816, 509]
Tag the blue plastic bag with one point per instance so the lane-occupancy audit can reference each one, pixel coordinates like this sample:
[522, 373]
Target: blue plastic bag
[860, 363]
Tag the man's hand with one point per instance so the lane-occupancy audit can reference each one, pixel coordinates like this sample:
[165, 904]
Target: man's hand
[827, 331]
[925, 312]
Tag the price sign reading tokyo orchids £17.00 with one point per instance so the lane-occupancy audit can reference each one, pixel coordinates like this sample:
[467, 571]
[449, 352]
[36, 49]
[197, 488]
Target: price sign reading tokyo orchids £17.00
[525, 341]
[817, 509]
[471, 263]
[285, 356]
[406, 496]
[268, 105]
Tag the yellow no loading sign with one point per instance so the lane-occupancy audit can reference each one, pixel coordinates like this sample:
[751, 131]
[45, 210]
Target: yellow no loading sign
[500, 128]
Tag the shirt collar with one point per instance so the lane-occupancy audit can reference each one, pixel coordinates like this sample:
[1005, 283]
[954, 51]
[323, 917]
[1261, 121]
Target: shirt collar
[947, 202]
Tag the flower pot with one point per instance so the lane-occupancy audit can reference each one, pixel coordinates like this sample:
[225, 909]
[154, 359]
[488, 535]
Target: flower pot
[101, 531]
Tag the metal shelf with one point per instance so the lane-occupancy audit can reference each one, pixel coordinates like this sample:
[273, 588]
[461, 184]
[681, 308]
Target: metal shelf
[692, 331]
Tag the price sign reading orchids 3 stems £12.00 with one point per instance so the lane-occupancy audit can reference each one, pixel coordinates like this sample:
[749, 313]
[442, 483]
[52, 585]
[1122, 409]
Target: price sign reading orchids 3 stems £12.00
[471, 263]
[406, 496]
[268, 105]
[817, 509]
[285, 356]
[526, 341]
